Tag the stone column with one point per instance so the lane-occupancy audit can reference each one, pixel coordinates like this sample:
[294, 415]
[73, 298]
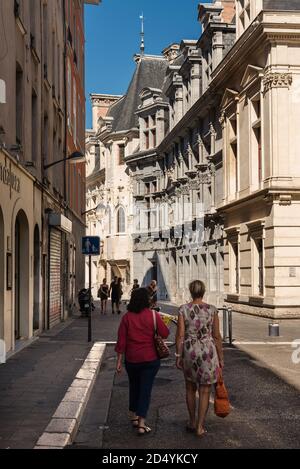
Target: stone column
[195, 82]
[160, 125]
[178, 103]
[218, 46]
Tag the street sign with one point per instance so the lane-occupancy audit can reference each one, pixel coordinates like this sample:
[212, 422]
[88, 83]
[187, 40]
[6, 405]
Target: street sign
[91, 245]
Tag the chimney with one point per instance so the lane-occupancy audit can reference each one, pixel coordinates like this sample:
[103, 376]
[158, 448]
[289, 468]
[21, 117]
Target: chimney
[218, 11]
[228, 10]
[171, 52]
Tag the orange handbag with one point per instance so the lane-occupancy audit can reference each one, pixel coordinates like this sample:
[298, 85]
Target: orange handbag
[222, 405]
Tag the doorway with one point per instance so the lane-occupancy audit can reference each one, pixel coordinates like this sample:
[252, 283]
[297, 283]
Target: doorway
[36, 283]
[2, 275]
[17, 280]
[21, 283]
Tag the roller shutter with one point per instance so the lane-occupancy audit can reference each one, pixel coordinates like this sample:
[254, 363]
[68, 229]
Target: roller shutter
[55, 278]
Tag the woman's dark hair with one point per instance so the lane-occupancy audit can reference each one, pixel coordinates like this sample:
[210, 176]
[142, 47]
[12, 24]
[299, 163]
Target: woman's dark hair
[139, 300]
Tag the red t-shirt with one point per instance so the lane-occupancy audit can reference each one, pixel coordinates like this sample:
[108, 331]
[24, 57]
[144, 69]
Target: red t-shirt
[135, 336]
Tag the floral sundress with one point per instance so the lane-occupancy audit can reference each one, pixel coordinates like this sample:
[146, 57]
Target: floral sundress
[200, 358]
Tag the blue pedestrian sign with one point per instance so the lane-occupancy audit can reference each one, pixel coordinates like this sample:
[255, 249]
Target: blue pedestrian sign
[91, 245]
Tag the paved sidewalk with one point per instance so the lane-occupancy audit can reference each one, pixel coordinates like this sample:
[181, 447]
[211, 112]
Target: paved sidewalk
[34, 381]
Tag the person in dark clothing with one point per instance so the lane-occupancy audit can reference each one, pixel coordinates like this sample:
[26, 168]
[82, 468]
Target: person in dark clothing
[114, 294]
[120, 294]
[103, 294]
[135, 285]
[136, 341]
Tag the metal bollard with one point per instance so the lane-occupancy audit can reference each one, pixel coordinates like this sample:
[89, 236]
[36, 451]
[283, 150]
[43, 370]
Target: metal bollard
[227, 324]
[230, 325]
[274, 330]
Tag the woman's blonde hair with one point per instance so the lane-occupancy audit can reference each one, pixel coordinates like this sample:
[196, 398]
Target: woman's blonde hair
[197, 289]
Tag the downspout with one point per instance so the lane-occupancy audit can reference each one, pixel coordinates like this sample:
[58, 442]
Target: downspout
[65, 105]
[65, 236]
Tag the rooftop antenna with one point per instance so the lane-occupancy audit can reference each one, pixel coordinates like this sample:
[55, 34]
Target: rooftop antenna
[142, 18]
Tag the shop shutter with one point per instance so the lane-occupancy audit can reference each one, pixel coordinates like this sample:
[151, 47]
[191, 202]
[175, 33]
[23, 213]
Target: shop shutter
[55, 280]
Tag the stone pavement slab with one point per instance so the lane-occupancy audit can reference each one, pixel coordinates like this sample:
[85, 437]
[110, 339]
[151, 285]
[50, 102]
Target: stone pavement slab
[34, 381]
[72, 406]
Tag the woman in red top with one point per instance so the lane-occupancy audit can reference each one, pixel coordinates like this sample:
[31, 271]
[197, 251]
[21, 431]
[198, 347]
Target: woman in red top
[136, 341]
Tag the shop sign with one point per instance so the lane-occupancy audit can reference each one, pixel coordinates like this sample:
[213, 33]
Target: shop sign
[8, 177]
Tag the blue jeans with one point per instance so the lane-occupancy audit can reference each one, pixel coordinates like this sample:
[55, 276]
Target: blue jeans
[141, 377]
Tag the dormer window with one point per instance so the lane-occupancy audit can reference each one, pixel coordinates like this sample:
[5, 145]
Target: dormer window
[121, 154]
[150, 139]
[153, 134]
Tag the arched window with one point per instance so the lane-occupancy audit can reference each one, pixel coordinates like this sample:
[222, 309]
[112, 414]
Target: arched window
[121, 220]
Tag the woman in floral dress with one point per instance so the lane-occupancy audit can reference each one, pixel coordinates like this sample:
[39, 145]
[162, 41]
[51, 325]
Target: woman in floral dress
[198, 353]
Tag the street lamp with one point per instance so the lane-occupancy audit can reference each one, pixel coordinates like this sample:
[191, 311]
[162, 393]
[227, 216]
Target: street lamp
[76, 157]
[100, 209]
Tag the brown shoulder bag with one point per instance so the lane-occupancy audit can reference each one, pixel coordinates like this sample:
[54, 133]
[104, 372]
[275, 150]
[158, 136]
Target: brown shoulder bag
[161, 348]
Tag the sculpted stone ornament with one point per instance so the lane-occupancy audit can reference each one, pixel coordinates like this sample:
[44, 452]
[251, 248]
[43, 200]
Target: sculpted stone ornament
[212, 169]
[171, 173]
[189, 152]
[222, 119]
[277, 80]
[212, 130]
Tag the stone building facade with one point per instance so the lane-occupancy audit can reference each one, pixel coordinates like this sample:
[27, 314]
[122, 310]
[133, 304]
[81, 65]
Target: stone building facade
[259, 115]
[96, 188]
[35, 224]
[180, 179]
[213, 170]
[117, 136]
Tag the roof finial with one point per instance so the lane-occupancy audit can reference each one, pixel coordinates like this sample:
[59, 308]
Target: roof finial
[142, 35]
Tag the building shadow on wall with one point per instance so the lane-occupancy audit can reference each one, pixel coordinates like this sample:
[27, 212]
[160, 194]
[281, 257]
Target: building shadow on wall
[156, 272]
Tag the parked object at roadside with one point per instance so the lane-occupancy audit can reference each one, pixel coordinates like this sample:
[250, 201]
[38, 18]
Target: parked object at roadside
[84, 297]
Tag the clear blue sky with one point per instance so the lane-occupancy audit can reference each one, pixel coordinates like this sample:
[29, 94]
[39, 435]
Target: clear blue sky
[112, 38]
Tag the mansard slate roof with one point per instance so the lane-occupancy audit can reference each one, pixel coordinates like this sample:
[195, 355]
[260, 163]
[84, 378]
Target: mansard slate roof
[150, 72]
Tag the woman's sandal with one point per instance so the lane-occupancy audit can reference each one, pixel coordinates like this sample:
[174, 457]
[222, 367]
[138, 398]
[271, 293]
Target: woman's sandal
[190, 429]
[146, 430]
[135, 422]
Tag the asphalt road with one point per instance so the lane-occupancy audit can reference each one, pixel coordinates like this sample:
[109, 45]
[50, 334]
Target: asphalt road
[265, 414]
[265, 399]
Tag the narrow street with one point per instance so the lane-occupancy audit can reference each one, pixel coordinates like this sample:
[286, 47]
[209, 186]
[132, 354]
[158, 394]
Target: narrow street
[264, 399]
[262, 402]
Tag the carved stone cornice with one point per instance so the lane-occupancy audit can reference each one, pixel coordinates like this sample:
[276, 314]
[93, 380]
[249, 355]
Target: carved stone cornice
[277, 80]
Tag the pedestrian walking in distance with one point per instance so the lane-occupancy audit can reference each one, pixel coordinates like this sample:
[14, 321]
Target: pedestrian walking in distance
[136, 341]
[114, 294]
[120, 294]
[199, 353]
[152, 292]
[135, 285]
[103, 294]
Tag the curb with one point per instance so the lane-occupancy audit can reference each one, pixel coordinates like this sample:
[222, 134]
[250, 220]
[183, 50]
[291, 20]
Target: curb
[65, 422]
